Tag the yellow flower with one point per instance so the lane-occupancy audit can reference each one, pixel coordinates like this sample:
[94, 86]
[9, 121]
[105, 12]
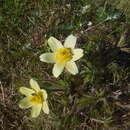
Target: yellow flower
[35, 98]
[63, 56]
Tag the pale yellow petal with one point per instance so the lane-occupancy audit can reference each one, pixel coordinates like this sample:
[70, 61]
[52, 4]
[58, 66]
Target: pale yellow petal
[58, 69]
[34, 85]
[45, 107]
[26, 91]
[36, 109]
[44, 94]
[47, 57]
[72, 68]
[25, 103]
[70, 41]
[54, 44]
[77, 54]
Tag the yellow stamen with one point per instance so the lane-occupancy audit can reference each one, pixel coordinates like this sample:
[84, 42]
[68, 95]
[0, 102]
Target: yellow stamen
[37, 98]
[63, 55]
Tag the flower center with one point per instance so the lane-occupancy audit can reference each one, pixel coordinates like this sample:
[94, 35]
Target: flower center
[37, 98]
[63, 55]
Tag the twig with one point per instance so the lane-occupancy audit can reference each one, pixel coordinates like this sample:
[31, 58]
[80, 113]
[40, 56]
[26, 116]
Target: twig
[93, 119]
[123, 106]
[3, 96]
[97, 120]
